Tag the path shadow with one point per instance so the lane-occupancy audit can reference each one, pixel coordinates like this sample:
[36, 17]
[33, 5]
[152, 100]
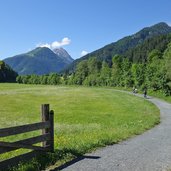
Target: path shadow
[74, 161]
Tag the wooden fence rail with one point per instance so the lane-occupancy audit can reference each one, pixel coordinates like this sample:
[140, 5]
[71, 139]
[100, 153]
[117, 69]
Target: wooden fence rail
[47, 138]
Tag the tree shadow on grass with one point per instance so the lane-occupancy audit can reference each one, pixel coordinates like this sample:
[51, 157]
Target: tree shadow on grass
[46, 159]
[43, 160]
[74, 161]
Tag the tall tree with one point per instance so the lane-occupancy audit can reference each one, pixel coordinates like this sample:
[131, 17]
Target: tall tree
[105, 74]
[138, 74]
[116, 70]
[81, 72]
[167, 67]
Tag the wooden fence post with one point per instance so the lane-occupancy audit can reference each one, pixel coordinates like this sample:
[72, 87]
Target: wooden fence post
[47, 139]
[45, 117]
[51, 119]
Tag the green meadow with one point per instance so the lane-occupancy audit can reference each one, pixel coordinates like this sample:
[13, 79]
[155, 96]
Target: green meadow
[85, 118]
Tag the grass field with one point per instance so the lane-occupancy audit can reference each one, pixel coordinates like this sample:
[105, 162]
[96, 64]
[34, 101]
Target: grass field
[85, 118]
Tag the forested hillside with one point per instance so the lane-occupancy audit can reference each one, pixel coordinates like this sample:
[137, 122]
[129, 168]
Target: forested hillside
[146, 65]
[141, 60]
[6, 73]
[123, 45]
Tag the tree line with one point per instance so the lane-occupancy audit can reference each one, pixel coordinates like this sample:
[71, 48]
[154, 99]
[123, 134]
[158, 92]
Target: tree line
[154, 74]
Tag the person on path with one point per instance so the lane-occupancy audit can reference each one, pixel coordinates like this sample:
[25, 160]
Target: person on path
[134, 90]
[145, 92]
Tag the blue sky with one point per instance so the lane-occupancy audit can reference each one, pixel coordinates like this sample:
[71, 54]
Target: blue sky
[75, 25]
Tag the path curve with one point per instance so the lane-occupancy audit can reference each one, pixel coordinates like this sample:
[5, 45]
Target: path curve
[150, 151]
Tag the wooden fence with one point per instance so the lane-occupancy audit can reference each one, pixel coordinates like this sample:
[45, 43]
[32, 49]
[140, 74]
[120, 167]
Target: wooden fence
[47, 139]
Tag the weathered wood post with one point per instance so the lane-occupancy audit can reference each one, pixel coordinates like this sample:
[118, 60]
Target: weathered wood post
[48, 116]
[45, 117]
[51, 119]
[47, 127]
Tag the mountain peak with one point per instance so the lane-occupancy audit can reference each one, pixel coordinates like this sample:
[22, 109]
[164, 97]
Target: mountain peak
[39, 51]
[156, 29]
[63, 53]
[40, 60]
[161, 24]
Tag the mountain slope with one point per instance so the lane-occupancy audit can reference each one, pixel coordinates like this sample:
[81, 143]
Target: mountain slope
[62, 53]
[121, 46]
[139, 54]
[39, 61]
[6, 73]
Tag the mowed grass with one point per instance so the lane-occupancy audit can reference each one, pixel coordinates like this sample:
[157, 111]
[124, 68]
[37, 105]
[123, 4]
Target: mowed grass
[85, 118]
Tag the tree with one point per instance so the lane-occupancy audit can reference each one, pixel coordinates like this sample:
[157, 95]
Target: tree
[6, 73]
[105, 74]
[116, 70]
[81, 72]
[19, 79]
[154, 71]
[167, 58]
[44, 79]
[167, 69]
[53, 79]
[126, 78]
[138, 74]
[94, 66]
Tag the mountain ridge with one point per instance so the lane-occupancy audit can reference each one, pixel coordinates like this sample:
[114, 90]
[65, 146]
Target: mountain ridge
[62, 52]
[40, 60]
[122, 45]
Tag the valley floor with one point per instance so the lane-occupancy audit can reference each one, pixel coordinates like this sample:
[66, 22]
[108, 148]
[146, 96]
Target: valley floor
[85, 118]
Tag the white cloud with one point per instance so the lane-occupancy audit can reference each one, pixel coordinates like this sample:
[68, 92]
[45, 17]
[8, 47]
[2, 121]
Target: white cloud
[56, 44]
[44, 45]
[83, 53]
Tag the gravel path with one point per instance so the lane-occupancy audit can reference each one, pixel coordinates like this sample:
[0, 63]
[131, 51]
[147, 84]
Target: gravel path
[150, 151]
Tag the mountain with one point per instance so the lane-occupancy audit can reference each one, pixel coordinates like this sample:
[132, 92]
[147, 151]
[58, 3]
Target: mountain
[41, 60]
[62, 53]
[6, 73]
[121, 46]
[140, 53]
